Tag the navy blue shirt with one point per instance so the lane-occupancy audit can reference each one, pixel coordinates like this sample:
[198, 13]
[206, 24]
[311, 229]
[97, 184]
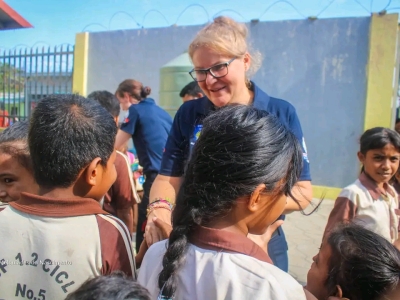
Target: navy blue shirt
[149, 126]
[189, 118]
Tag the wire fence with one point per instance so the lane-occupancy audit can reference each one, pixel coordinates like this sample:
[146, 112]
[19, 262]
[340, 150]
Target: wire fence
[208, 16]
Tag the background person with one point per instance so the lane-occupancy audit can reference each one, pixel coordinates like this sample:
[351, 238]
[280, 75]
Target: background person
[191, 91]
[121, 197]
[148, 125]
[4, 118]
[371, 201]
[16, 173]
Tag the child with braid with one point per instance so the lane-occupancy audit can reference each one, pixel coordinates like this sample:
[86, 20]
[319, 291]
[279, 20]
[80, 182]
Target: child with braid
[242, 170]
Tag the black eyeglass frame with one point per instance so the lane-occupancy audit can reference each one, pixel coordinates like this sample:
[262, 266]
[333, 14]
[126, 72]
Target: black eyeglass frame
[206, 71]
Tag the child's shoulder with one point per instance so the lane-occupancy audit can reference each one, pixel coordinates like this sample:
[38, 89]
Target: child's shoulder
[121, 161]
[353, 190]
[396, 187]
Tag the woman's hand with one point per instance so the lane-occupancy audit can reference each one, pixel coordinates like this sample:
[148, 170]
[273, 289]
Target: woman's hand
[162, 228]
[263, 240]
[158, 226]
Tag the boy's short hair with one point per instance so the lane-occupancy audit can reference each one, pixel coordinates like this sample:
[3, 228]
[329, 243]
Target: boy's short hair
[107, 100]
[17, 133]
[112, 287]
[67, 132]
[192, 89]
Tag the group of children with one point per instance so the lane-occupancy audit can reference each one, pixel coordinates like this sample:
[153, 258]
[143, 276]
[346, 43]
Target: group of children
[61, 244]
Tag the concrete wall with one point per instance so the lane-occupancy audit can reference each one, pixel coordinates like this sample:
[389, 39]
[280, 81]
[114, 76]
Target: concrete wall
[138, 54]
[319, 66]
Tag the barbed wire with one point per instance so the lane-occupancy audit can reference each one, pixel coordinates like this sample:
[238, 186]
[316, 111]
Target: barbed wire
[387, 5]
[366, 9]
[157, 11]
[286, 2]
[229, 10]
[20, 47]
[193, 5]
[125, 13]
[91, 24]
[385, 9]
[270, 6]
[325, 8]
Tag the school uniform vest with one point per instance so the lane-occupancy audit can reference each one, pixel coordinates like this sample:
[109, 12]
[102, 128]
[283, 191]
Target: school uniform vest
[365, 204]
[51, 246]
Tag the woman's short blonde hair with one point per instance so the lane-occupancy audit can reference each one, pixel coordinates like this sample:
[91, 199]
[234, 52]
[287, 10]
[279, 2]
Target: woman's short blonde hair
[227, 37]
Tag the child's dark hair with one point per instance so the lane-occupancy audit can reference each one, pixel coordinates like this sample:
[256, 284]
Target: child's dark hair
[192, 89]
[364, 264]
[112, 287]
[377, 138]
[107, 100]
[240, 147]
[14, 142]
[66, 133]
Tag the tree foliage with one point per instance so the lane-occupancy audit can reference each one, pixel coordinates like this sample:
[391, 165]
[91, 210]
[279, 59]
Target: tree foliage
[11, 79]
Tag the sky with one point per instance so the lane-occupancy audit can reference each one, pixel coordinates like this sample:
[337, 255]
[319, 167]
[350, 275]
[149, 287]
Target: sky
[56, 22]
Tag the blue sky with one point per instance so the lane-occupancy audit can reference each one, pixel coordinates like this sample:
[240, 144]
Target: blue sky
[57, 21]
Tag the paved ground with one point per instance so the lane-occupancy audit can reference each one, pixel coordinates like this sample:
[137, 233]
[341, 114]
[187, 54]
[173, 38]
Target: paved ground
[304, 234]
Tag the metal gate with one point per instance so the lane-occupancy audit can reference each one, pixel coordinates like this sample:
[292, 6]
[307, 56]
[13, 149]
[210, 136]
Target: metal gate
[26, 75]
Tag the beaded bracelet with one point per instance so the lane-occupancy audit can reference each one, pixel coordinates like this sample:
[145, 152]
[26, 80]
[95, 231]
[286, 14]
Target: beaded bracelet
[159, 201]
[150, 210]
[159, 204]
[163, 200]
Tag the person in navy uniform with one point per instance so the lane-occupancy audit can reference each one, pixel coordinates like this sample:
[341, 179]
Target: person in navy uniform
[222, 62]
[191, 91]
[149, 126]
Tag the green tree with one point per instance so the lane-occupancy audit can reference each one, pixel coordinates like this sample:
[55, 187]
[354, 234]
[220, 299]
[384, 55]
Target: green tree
[11, 79]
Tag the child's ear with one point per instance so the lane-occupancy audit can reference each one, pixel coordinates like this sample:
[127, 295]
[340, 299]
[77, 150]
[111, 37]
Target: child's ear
[339, 293]
[255, 198]
[93, 172]
[361, 157]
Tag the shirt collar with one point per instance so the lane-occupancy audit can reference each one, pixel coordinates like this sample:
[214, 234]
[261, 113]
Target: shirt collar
[150, 100]
[260, 101]
[219, 240]
[373, 188]
[47, 207]
[261, 98]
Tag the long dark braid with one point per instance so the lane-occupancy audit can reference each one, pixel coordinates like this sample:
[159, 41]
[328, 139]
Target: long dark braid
[240, 148]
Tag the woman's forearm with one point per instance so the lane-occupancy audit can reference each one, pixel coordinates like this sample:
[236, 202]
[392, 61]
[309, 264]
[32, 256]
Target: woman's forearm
[165, 187]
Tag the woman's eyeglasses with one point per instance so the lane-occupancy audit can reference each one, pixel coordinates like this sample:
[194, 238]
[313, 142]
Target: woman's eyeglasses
[216, 71]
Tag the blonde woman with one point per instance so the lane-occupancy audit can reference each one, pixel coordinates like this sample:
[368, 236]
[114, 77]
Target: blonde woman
[222, 63]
